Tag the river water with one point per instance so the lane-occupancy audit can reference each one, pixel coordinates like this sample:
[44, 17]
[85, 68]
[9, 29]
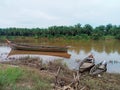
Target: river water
[108, 50]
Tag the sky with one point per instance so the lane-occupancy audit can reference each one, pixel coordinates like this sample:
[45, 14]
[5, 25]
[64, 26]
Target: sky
[45, 13]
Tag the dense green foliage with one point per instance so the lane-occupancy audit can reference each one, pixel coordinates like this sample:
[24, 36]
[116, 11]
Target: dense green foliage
[76, 31]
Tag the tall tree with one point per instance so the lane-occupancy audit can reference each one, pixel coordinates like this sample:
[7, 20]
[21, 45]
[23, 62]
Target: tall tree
[87, 29]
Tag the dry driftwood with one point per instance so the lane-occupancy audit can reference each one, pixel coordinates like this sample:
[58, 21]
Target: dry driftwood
[72, 86]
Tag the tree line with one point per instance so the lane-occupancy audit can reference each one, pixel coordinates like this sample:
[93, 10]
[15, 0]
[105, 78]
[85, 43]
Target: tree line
[77, 31]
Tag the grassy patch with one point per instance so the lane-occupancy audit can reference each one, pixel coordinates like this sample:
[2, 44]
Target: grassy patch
[109, 37]
[9, 76]
[16, 78]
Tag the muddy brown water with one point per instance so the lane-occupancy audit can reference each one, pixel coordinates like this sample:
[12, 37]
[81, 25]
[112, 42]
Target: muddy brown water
[108, 50]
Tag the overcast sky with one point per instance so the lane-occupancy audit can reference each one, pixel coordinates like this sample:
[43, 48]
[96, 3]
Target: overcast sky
[44, 13]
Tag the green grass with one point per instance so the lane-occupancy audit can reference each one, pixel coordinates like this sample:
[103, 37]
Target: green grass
[16, 78]
[109, 37]
[9, 76]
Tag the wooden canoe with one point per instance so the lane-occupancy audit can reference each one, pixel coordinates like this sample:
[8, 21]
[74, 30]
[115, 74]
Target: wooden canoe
[87, 63]
[42, 48]
[98, 69]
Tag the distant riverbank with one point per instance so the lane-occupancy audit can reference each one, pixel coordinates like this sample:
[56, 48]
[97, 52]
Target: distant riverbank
[82, 37]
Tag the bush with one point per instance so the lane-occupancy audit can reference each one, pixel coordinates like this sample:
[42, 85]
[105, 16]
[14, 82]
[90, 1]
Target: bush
[84, 36]
[95, 37]
[117, 36]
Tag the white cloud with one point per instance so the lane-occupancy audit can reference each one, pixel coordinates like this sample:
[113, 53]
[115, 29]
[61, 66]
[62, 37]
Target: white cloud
[44, 13]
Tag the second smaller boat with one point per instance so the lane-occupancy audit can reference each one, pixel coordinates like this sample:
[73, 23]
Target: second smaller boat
[99, 68]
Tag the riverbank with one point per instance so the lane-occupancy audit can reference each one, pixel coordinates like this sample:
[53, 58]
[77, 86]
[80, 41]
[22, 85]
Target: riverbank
[32, 74]
[61, 38]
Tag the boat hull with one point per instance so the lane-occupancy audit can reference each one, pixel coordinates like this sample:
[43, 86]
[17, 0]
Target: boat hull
[85, 64]
[97, 70]
[42, 48]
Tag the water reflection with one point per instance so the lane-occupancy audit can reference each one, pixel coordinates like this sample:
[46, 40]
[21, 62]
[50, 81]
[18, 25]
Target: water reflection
[22, 52]
[114, 62]
[99, 46]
